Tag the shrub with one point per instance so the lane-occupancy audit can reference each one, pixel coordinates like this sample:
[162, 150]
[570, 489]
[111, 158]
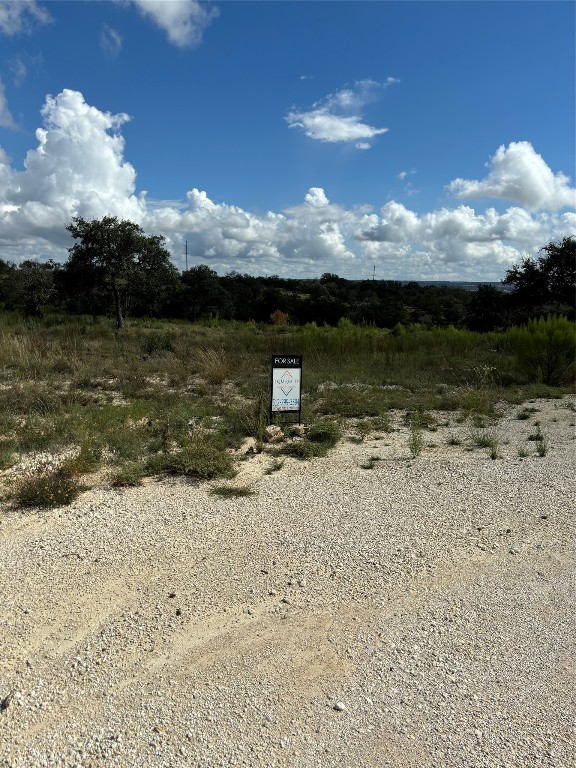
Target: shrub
[544, 349]
[130, 474]
[325, 432]
[363, 428]
[542, 446]
[213, 364]
[7, 456]
[88, 459]
[46, 489]
[201, 460]
[232, 491]
[481, 438]
[371, 462]
[275, 466]
[303, 450]
[415, 441]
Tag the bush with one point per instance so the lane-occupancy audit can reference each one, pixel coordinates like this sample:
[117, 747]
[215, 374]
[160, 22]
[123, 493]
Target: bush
[231, 491]
[325, 432]
[204, 460]
[46, 489]
[130, 474]
[303, 450]
[545, 349]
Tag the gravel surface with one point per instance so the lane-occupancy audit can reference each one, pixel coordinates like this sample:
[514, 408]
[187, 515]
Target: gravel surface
[416, 614]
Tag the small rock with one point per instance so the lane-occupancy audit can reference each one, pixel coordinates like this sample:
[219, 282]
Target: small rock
[339, 707]
[273, 434]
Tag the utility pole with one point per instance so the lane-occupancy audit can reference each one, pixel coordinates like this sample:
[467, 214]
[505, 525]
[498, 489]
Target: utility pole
[186, 255]
[374, 273]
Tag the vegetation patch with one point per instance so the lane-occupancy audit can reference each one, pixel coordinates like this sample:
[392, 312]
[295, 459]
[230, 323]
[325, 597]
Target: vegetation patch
[371, 462]
[46, 488]
[232, 491]
[201, 460]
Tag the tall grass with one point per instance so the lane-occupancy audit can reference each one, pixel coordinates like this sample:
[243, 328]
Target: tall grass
[125, 399]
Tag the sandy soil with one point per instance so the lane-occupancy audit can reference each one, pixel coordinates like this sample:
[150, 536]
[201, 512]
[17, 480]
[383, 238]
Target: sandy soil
[416, 613]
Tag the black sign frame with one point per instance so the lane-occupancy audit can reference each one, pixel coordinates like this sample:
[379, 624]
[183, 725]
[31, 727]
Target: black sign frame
[286, 361]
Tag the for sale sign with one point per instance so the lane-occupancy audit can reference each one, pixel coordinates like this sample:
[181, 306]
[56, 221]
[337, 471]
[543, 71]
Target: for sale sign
[286, 382]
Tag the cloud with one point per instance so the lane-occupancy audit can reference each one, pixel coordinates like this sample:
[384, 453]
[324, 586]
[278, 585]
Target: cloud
[21, 16]
[6, 119]
[184, 21]
[78, 168]
[110, 42]
[338, 116]
[519, 174]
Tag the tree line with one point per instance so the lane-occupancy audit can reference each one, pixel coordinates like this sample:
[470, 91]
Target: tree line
[115, 269]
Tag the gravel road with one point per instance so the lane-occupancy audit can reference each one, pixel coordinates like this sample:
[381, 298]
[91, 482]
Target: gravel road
[418, 614]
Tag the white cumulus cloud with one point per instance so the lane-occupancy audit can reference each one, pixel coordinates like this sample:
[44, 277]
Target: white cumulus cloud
[338, 116]
[520, 174]
[78, 168]
[184, 21]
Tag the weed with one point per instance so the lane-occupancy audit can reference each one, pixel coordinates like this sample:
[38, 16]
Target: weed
[537, 436]
[7, 456]
[415, 441]
[129, 474]
[421, 419]
[481, 438]
[363, 429]
[324, 432]
[87, 460]
[232, 491]
[371, 462]
[542, 447]
[453, 440]
[523, 453]
[201, 460]
[275, 466]
[381, 423]
[213, 365]
[245, 419]
[303, 449]
[46, 489]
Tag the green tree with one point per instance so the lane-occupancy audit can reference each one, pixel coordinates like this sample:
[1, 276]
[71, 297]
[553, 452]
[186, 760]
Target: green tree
[117, 257]
[201, 291]
[547, 284]
[30, 286]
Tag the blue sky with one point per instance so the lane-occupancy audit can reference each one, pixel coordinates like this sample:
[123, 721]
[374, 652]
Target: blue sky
[434, 140]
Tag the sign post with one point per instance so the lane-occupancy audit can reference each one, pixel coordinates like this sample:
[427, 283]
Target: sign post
[286, 385]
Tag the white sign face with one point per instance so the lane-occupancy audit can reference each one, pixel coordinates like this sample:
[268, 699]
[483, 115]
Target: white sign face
[286, 389]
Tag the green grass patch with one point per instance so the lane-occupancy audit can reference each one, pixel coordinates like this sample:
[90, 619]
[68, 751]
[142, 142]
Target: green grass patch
[46, 489]
[201, 460]
[232, 491]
